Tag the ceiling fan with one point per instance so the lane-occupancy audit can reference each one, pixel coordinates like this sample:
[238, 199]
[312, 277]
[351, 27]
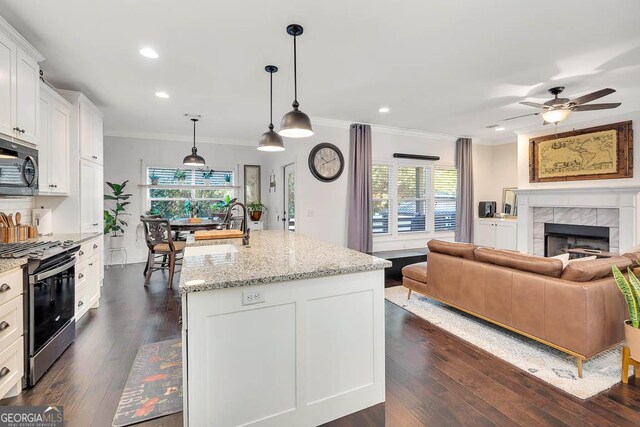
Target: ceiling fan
[557, 109]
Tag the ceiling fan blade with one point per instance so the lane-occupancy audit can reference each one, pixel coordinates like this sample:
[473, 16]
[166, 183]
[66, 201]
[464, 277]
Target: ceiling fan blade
[592, 96]
[517, 117]
[592, 107]
[532, 104]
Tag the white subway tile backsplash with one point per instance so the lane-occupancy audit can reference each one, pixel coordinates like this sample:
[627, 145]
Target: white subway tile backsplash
[12, 205]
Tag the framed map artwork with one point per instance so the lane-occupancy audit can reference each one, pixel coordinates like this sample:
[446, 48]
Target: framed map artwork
[602, 152]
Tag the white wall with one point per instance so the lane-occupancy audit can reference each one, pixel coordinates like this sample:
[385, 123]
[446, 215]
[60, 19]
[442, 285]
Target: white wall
[322, 207]
[523, 153]
[122, 161]
[495, 168]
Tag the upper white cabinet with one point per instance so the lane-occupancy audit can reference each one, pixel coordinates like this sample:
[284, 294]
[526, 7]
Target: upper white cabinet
[19, 86]
[496, 233]
[54, 136]
[91, 132]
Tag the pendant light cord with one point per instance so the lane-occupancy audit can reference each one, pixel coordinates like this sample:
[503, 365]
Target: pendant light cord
[270, 100]
[194, 132]
[295, 71]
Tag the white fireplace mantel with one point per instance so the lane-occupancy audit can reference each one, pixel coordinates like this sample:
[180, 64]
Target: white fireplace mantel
[625, 199]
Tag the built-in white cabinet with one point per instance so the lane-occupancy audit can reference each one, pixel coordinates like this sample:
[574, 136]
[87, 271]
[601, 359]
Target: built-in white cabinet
[91, 132]
[11, 333]
[88, 276]
[91, 195]
[19, 86]
[496, 233]
[54, 143]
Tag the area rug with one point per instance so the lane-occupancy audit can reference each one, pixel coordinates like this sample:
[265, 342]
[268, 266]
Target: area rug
[546, 363]
[154, 387]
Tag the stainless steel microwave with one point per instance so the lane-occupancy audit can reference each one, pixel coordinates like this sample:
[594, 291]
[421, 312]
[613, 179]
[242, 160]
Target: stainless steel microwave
[18, 169]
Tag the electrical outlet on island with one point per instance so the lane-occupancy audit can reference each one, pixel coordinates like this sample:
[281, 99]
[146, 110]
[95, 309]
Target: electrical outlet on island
[254, 296]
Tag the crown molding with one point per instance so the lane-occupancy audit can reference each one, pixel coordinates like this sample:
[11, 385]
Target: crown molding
[20, 41]
[177, 138]
[391, 130]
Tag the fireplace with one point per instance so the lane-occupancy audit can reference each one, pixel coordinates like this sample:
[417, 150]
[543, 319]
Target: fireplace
[559, 238]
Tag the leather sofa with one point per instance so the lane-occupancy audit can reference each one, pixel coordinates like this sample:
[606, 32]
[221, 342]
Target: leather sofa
[576, 309]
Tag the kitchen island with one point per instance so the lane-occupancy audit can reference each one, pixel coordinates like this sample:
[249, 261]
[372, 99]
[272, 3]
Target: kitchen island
[287, 331]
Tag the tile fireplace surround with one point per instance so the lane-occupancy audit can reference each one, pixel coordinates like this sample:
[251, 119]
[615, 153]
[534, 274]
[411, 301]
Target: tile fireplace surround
[613, 207]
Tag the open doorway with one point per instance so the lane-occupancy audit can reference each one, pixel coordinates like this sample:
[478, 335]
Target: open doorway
[289, 205]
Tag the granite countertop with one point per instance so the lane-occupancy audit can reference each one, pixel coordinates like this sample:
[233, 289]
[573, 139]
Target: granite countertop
[11, 264]
[273, 256]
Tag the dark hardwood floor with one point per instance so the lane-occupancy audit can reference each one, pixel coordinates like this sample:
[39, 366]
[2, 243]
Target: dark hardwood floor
[432, 377]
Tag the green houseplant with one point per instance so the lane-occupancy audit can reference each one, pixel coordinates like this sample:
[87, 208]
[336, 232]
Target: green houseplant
[207, 176]
[255, 210]
[180, 176]
[154, 178]
[630, 288]
[113, 222]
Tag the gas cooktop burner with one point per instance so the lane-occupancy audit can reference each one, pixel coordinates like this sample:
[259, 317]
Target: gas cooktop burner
[34, 250]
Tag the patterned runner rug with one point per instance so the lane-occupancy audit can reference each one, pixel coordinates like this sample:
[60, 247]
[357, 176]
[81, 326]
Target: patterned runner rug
[546, 363]
[154, 386]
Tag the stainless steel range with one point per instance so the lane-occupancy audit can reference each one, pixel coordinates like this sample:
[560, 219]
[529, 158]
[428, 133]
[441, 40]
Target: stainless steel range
[49, 301]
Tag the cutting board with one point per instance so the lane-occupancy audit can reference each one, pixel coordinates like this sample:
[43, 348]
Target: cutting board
[217, 234]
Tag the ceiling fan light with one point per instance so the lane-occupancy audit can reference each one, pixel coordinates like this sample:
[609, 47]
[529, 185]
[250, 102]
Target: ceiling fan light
[271, 141]
[295, 124]
[556, 115]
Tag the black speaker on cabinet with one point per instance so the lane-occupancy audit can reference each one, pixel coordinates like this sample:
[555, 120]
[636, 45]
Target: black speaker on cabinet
[487, 209]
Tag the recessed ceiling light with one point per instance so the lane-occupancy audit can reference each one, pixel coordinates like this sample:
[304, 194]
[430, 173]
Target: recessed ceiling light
[163, 95]
[383, 109]
[148, 52]
[499, 129]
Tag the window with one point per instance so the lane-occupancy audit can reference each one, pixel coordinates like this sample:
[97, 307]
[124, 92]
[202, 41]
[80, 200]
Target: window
[380, 184]
[413, 199]
[173, 199]
[445, 182]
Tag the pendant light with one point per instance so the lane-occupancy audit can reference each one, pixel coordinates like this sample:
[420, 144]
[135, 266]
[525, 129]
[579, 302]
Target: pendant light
[270, 140]
[295, 124]
[194, 159]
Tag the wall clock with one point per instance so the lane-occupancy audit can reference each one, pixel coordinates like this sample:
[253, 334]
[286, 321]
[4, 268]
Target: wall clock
[326, 162]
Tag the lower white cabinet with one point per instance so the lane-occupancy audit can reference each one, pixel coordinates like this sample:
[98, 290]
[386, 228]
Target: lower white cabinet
[496, 233]
[11, 333]
[88, 276]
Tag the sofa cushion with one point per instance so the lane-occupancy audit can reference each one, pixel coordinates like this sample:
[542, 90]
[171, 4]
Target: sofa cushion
[460, 250]
[417, 271]
[594, 269]
[532, 264]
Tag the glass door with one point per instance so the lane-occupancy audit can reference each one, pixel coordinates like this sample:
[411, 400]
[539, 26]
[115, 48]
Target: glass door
[289, 217]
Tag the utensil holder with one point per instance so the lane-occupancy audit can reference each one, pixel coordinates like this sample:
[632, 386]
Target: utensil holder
[12, 235]
[33, 231]
[23, 233]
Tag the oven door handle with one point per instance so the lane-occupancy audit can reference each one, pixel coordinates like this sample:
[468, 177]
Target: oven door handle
[47, 274]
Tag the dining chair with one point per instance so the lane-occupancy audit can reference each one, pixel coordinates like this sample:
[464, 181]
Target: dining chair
[159, 239]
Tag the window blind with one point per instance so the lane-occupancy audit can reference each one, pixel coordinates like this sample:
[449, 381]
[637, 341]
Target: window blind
[445, 181]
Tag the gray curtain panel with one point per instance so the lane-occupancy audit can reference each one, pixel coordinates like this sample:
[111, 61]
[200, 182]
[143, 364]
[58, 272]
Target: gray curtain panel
[359, 220]
[464, 202]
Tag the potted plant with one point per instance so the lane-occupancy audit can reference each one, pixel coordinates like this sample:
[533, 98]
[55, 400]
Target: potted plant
[227, 178]
[630, 289]
[180, 176]
[219, 209]
[113, 222]
[207, 176]
[154, 178]
[255, 210]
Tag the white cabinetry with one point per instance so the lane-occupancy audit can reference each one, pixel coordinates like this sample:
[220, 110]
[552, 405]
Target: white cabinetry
[91, 175]
[496, 233]
[19, 86]
[88, 276]
[54, 143]
[11, 333]
[91, 132]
